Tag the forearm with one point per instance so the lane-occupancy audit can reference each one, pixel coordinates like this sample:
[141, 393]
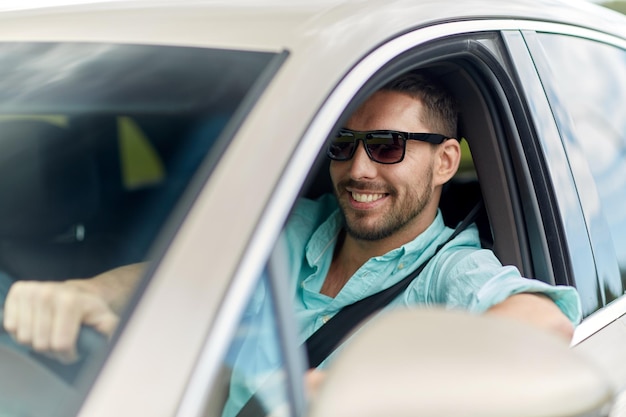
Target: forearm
[115, 286]
[536, 309]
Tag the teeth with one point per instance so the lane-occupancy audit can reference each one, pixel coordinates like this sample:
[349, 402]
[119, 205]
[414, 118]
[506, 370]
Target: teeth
[366, 198]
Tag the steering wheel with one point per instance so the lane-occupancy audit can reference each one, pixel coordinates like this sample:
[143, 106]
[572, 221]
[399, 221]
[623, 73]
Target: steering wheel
[33, 384]
[88, 344]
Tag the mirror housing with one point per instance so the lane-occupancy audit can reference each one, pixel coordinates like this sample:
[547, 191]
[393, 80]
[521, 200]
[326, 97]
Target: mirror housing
[432, 362]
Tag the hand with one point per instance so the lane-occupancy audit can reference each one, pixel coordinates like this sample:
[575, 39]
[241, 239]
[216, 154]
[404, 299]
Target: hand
[47, 315]
[313, 378]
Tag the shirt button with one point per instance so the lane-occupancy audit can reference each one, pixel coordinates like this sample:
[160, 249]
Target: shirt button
[401, 266]
[325, 319]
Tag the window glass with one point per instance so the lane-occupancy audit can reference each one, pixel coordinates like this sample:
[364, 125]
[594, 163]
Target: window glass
[98, 146]
[255, 370]
[590, 84]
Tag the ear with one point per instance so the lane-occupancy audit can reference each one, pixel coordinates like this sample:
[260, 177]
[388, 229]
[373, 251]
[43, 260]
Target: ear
[447, 159]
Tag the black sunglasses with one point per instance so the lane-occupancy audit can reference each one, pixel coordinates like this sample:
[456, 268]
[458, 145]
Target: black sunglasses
[382, 146]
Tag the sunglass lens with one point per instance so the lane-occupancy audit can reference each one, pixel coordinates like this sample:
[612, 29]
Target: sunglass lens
[386, 147]
[341, 148]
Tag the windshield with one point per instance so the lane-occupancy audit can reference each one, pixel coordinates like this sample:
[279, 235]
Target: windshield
[98, 144]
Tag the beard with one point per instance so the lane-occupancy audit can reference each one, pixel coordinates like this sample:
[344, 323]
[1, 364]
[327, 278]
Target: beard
[396, 218]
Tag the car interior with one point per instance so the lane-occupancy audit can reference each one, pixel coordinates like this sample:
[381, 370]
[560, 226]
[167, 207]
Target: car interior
[79, 207]
[95, 161]
[76, 207]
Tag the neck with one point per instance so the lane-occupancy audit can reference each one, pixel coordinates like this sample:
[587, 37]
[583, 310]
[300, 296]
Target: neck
[351, 253]
[363, 250]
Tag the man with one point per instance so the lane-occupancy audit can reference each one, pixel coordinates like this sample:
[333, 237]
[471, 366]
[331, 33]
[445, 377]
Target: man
[381, 224]
[388, 223]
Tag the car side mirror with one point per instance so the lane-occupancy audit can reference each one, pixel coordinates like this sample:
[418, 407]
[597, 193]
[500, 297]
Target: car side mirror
[431, 362]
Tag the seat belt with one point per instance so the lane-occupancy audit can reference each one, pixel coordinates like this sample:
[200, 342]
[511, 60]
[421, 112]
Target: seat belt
[328, 337]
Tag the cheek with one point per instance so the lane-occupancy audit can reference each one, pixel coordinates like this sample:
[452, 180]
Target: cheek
[415, 176]
[334, 171]
[415, 167]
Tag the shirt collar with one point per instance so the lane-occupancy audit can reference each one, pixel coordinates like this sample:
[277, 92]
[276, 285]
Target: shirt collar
[324, 239]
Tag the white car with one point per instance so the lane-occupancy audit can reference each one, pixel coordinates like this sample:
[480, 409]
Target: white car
[182, 132]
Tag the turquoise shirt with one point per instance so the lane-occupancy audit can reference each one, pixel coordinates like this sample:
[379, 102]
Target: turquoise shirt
[461, 276]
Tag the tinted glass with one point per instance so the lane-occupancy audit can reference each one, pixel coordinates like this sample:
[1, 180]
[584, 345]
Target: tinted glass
[98, 146]
[589, 81]
[254, 377]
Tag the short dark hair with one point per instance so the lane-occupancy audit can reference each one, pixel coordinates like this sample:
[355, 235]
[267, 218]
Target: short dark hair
[441, 108]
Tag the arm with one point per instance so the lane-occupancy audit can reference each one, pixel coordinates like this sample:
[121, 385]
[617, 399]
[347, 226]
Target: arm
[115, 286]
[48, 315]
[535, 309]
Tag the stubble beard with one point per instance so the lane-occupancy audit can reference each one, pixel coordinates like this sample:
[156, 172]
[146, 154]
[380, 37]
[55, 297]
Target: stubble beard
[395, 219]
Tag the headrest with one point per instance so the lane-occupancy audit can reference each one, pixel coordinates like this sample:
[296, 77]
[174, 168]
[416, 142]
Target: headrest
[48, 179]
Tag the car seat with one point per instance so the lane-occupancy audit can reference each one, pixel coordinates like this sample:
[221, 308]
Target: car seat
[49, 191]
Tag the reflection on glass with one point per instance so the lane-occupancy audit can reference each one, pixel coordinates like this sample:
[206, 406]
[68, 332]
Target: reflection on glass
[255, 361]
[591, 84]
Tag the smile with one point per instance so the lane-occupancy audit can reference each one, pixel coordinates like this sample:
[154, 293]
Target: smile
[366, 198]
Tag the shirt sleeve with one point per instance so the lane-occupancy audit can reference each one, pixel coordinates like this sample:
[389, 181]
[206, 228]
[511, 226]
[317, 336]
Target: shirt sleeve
[475, 280]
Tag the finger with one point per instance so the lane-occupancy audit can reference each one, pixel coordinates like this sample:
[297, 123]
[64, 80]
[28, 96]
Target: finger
[24, 330]
[313, 379]
[103, 320]
[11, 309]
[42, 325]
[64, 329]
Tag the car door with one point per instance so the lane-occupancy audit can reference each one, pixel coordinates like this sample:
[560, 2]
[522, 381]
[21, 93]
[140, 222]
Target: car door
[506, 149]
[515, 161]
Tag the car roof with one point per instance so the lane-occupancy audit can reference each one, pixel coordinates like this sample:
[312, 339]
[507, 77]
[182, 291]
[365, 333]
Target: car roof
[270, 24]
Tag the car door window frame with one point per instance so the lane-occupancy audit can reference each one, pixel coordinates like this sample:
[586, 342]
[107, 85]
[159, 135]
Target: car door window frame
[562, 209]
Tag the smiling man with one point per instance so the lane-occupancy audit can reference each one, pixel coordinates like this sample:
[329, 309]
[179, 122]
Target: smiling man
[390, 202]
[388, 167]
[382, 222]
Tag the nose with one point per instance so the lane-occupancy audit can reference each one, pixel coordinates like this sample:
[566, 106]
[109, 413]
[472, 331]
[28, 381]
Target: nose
[361, 166]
